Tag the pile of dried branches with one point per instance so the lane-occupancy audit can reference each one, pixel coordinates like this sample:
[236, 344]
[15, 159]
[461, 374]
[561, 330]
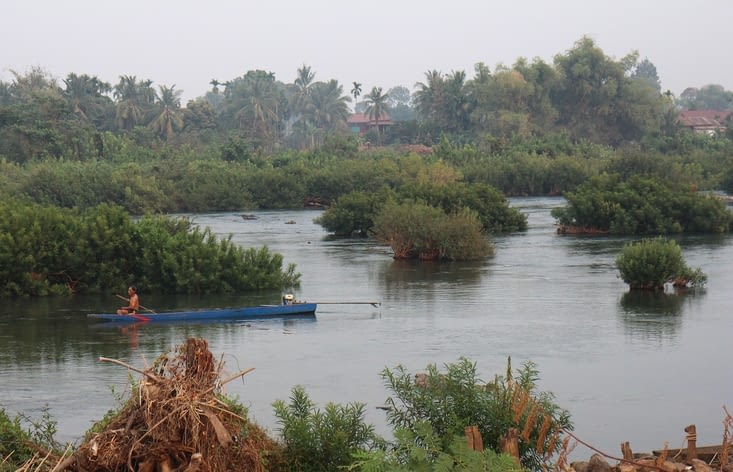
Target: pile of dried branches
[177, 420]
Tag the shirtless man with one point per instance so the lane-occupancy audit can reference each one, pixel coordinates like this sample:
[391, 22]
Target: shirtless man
[133, 302]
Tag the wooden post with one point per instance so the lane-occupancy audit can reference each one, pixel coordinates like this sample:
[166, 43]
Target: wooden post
[691, 431]
[473, 436]
[626, 451]
[510, 443]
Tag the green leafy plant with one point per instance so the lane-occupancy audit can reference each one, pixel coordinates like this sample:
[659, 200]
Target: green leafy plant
[641, 205]
[321, 440]
[47, 250]
[19, 445]
[418, 230]
[423, 450]
[449, 402]
[650, 263]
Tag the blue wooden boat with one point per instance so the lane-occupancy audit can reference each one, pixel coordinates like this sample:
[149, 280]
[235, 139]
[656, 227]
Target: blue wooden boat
[294, 310]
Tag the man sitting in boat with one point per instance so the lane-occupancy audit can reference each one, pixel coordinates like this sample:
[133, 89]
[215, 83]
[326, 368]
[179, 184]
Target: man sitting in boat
[133, 302]
[288, 299]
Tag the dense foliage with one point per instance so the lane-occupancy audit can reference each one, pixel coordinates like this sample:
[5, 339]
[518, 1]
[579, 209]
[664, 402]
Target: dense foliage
[256, 142]
[428, 413]
[650, 263]
[423, 450]
[355, 213]
[641, 205]
[415, 230]
[441, 404]
[19, 444]
[44, 249]
[321, 440]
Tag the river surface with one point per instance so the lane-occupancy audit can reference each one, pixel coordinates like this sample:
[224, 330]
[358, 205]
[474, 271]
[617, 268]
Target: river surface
[627, 367]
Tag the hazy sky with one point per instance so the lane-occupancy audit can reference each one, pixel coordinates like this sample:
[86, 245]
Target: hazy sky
[381, 43]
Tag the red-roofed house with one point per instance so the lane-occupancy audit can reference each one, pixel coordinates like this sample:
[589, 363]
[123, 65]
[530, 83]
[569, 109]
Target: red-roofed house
[704, 121]
[360, 123]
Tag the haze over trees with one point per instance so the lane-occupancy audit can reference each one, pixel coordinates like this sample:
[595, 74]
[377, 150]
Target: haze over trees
[456, 139]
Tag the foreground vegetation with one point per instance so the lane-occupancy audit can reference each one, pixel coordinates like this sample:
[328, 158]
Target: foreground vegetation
[428, 412]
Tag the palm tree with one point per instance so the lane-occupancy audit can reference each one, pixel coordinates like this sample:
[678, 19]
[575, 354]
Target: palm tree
[328, 106]
[356, 91]
[86, 95]
[131, 96]
[302, 85]
[301, 100]
[170, 118]
[377, 106]
[429, 96]
[260, 100]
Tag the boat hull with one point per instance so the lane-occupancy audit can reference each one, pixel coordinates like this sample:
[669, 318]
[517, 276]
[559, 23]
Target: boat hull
[238, 313]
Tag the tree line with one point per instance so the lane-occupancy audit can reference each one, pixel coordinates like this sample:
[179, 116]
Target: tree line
[460, 147]
[583, 94]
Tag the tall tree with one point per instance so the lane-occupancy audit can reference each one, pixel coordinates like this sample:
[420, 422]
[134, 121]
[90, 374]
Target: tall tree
[302, 88]
[709, 97]
[646, 70]
[133, 100]
[87, 97]
[256, 104]
[429, 98]
[355, 92]
[170, 117]
[329, 106]
[400, 103]
[377, 107]
[597, 99]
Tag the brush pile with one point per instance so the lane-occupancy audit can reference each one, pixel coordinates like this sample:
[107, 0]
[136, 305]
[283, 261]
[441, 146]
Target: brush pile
[177, 420]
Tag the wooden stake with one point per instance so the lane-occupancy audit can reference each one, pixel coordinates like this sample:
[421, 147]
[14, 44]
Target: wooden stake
[626, 452]
[473, 436]
[510, 443]
[691, 431]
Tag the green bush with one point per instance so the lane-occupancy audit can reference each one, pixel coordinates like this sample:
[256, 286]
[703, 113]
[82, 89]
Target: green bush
[417, 230]
[650, 263]
[422, 450]
[490, 205]
[450, 401]
[47, 250]
[641, 205]
[19, 445]
[322, 441]
[351, 215]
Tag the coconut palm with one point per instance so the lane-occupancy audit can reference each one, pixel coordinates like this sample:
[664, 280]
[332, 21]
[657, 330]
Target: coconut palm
[429, 96]
[170, 118]
[133, 98]
[300, 102]
[258, 102]
[377, 106]
[328, 106]
[302, 88]
[86, 95]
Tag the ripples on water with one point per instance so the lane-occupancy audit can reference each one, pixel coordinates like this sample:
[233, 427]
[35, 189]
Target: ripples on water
[629, 367]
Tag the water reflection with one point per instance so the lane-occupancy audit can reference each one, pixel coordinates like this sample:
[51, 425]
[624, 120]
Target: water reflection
[648, 302]
[404, 275]
[654, 314]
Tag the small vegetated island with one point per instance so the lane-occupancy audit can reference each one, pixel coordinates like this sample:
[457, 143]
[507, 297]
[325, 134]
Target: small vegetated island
[47, 250]
[609, 204]
[427, 222]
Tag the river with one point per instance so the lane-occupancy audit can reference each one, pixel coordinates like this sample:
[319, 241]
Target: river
[627, 367]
